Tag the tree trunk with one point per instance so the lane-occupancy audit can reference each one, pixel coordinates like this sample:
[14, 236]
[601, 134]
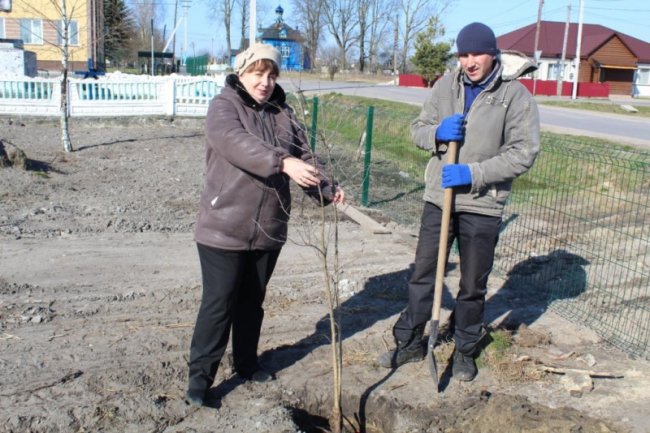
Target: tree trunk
[65, 112]
[65, 124]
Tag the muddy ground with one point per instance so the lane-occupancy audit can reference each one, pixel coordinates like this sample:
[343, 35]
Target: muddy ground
[99, 287]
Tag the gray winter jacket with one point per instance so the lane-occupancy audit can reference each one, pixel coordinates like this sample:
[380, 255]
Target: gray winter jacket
[246, 201]
[501, 136]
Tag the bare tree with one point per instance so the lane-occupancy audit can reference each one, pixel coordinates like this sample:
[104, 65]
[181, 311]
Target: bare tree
[309, 13]
[223, 10]
[146, 12]
[243, 8]
[321, 234]
[342, 21]
[329, 56]
[415, 15]
[363, 7]
[65, 37]
[66, 27]
[378, 21]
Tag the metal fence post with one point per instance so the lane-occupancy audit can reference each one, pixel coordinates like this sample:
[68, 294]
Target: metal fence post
[366, 160]
[314, 123]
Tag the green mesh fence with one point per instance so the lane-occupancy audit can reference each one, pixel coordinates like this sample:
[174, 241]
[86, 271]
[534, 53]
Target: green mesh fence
[580, 232]
[397, 166]
[577, 226]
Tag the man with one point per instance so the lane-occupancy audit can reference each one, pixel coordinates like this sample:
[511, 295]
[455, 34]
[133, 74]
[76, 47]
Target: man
[495, 121]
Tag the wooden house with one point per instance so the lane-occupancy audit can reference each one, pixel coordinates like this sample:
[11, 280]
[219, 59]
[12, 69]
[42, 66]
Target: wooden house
[606, 55]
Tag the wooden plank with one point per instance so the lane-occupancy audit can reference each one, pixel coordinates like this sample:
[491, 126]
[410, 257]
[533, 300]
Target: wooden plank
[367, 224]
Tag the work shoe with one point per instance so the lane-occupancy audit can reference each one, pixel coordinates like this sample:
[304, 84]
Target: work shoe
[260, 376]
[409, 351]
[464, 367]
[195, 397]
[400, 356]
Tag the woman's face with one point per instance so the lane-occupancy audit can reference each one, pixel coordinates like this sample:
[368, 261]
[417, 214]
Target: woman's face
[259, 83]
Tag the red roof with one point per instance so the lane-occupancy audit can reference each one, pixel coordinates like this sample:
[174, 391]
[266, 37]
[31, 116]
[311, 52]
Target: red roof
[551, 38]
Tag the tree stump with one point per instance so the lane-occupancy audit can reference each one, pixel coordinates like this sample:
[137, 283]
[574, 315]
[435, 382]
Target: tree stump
[12, 156]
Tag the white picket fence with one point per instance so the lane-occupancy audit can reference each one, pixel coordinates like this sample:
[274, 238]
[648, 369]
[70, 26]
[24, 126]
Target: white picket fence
[110, 95]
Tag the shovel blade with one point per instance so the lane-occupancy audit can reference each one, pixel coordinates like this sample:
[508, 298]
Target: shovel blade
[431, 357]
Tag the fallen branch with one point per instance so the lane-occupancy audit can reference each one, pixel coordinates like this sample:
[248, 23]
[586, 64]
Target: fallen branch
[6, 336]
[591, 373]
[67, 378]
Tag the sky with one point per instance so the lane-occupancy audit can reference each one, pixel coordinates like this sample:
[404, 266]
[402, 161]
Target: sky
[205, 35]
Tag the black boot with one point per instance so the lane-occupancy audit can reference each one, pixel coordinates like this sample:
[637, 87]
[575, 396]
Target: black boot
[464, 367]
[197, 389]
[411, 350]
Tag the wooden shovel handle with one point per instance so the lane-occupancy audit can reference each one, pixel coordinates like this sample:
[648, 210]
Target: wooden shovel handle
[452, 150]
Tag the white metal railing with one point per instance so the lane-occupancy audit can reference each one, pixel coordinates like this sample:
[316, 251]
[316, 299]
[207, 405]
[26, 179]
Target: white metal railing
[111, 95]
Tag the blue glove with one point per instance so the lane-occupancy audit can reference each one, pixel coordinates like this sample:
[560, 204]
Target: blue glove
[456, 175]
[451, 128]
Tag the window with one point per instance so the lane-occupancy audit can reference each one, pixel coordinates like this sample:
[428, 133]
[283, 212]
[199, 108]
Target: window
[553, 69]
[31, 31]
[73, 32]
[285, 51]
[2, 27]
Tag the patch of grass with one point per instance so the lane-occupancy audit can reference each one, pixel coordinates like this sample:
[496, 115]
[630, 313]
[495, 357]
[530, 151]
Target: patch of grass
[500, 356]
[603, 107]
[570, 165]
[497, 349]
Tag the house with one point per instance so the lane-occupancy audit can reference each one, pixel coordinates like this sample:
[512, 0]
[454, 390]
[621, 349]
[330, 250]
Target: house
[287, 40]
[38, 25]
[606, 55]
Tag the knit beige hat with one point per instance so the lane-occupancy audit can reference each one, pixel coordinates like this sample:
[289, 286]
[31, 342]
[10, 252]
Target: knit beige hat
[254, 53]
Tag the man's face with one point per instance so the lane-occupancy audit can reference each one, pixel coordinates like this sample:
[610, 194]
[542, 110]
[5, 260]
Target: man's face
[476, 66]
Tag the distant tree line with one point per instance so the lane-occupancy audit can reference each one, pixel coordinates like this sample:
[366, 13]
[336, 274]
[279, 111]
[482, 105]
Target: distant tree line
[365, 35]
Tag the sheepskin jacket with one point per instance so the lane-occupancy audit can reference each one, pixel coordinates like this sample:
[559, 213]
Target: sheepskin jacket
[246, 199]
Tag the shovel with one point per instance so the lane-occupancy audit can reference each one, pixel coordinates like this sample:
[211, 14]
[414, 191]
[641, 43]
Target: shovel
[441, 265]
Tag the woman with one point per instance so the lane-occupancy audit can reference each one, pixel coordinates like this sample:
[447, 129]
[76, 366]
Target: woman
[254, 146]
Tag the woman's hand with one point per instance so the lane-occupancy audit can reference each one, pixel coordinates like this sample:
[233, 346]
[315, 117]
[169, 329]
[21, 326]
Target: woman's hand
[302, 173]
[339, 196]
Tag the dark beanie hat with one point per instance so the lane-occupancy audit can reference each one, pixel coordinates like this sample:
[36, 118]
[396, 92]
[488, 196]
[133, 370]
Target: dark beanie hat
[477, 38]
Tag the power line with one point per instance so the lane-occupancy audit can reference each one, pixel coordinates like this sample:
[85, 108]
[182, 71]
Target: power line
[623, 20]
[618, 10]
[151, 4]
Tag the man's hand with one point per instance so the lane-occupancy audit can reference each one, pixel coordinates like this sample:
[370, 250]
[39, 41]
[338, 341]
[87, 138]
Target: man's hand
[451, 128]
[456, 175]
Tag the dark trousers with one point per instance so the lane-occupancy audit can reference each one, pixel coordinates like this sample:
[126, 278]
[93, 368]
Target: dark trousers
[234, 285]
[477, 239]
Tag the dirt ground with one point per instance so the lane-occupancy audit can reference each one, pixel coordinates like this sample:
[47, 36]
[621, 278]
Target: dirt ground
[100, 284]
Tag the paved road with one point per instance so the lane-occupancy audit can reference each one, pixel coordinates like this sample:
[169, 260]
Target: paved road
[615, 127]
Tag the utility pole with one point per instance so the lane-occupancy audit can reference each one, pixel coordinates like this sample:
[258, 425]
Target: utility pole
[152, 64]
[252, 26]
[175, 17]
[536, 53]
[578, 43]
[186, 6]
[560, 74]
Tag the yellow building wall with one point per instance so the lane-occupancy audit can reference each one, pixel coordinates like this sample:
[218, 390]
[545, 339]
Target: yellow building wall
[49, 12]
